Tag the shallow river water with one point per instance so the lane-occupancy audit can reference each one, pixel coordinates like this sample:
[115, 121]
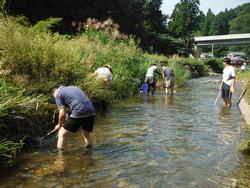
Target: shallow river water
[182, 140]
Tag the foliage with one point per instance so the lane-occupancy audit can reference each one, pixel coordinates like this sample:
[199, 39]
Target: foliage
[154, 21]
[8, 151]
[241, 24]
[33, 59]
[46, 25]
[181, 73]
[206, 26]
[2, 6]
[245, 76]
[215, 64]
[22, 115]
[228, 21]
[135, 17]
[164, 44]
[184, 20]
[245, 146]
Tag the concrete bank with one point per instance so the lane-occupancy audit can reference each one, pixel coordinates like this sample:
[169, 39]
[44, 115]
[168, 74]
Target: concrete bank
[245, 110]
[244, 107]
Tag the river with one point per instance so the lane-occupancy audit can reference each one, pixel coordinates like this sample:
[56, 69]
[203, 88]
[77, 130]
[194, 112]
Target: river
[184, 140]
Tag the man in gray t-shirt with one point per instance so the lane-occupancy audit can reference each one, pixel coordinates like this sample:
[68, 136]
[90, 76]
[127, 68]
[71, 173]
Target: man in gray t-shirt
[82, 113]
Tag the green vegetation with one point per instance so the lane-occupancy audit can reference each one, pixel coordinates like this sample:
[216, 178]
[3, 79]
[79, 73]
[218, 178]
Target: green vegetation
[245, 77]
[184, 20]
[214, 64]
[244, 145]
[8, 151]
[233, 21]
[142, 19]
[33, 59]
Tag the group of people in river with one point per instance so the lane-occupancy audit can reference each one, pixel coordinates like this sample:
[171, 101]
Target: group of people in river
[81, 109]
[150, 79]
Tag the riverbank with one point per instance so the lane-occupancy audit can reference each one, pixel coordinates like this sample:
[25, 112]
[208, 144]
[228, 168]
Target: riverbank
[182, 141]
[35, 59]
[244, 107]
[244, 99]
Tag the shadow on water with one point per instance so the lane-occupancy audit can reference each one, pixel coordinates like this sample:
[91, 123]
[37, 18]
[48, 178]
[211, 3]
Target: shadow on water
[182, 140]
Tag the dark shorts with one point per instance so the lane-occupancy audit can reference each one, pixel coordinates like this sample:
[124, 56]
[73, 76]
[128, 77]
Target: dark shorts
[225, 91]
[73, 124]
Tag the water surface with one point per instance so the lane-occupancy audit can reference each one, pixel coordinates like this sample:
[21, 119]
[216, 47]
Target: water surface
[161, 141]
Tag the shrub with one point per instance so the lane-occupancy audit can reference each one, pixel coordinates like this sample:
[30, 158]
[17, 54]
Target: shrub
[214, 64]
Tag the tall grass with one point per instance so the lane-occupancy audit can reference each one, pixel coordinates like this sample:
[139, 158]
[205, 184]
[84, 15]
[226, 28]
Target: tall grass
[214, 64]
[34, 59]
[9, 151]
[182, 73]
[245, 76]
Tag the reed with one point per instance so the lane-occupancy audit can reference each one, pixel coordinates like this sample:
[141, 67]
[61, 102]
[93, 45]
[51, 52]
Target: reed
[32, 60]
[9, 151]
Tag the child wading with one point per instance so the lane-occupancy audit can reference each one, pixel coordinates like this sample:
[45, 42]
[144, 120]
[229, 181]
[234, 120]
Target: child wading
[144, 88]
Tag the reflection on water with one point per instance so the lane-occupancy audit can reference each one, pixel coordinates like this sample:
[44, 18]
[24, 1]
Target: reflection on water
[182, 140]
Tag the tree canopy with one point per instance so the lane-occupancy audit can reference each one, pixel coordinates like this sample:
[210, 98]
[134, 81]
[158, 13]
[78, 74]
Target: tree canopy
[184, 20]
[142, 19]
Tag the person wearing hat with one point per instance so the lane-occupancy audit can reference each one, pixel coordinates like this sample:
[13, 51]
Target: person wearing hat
[105, 73]
[228, 82]
[150, 78]
[82, 114]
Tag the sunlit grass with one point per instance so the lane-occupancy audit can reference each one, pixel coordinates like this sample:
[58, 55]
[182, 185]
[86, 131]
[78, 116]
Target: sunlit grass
[34, 60]
[9, 150]
[245, 76]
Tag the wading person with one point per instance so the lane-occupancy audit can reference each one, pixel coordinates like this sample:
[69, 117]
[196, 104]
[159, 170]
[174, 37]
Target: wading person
[169, 79]
[228, 82]
[105, 73]
[144, 88]
[150, 78]
[82, 114]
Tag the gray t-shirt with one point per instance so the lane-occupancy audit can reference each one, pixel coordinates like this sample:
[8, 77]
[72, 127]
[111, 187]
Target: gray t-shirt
[74, 98]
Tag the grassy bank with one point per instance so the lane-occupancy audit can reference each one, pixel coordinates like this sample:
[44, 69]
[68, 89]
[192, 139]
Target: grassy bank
[245, 76]
[33, 59]
[245, 145]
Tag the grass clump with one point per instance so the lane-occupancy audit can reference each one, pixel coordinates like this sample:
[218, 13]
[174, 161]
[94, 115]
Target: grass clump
[244, 76]
[33, 60]
[9, 151]
[214, 64]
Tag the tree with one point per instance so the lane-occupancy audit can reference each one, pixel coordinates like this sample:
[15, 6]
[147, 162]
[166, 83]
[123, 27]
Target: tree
[184, 20]
[154, 20]
[221, 22]
[241, 24]
[140, 18]
[206, 28]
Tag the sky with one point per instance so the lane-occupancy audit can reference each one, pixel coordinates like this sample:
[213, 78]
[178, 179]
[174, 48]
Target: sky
[215, 5]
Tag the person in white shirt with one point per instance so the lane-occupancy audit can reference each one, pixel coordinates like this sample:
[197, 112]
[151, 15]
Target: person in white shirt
[228, 82]
[150, 77]
[104, 73]
[243, 67]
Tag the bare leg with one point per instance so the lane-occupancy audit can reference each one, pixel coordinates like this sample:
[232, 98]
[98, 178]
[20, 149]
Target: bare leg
[227, 102]
[62, 138]
[172, 90]
[86, 137]
[166, 89]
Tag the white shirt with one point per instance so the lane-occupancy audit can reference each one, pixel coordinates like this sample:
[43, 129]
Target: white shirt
[151, 71]
[104, 73]
[227, 73]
